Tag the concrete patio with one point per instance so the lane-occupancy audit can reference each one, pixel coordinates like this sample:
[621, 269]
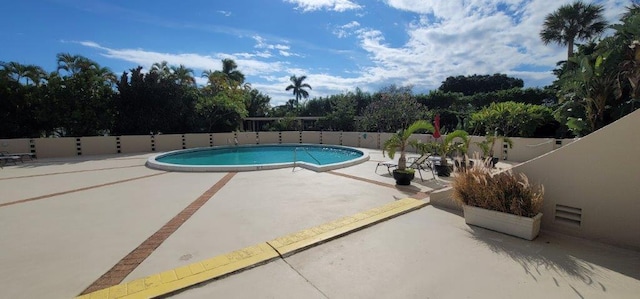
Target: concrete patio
[66, 223]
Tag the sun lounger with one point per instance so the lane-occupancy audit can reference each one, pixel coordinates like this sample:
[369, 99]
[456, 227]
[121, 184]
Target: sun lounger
[420, 163]
[6, 159]
[31, 156]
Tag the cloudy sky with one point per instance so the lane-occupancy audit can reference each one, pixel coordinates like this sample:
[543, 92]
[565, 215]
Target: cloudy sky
[338, 44]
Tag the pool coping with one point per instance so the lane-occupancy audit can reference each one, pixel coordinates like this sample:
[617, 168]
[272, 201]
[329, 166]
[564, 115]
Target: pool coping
[178, 279]
[153, 163]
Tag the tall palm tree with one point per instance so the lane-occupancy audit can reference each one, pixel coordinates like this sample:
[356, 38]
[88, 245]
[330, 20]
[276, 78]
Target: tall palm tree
[183, 75]
[35, 73]
[162, 69]
[298, 87]
[571, 22]
[229, 73]
[72, 64]
[15, 70]
[229, 68]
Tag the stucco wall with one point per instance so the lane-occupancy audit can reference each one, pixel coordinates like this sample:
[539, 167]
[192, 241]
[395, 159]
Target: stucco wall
[135, 144]
[247, 137]
[311, 137]
[369, 140]
[597, 177]
[331, 138]
[223, 139]
[196, 140]
[56, 147]
[98, 145]
[290, 136]
[168, 142]
[350, 139]
[15, 145]
[269, 137]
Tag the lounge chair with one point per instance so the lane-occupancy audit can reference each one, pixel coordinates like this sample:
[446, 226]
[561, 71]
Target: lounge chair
[6, 159]
[31, 156]
[420, 163]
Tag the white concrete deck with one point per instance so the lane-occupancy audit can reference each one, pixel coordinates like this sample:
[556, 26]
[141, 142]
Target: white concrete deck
[66, 222]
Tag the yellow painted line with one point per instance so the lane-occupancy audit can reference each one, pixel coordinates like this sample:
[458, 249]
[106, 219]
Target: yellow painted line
[189, 275]
[304, 239]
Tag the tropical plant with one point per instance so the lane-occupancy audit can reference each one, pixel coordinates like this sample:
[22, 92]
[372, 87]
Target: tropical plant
[504, 192]
[487, 145]
[183, 75]
[229, 73]
[400, 141]
[393, 107]
[511, 119]
[571, 22]
[298, 87]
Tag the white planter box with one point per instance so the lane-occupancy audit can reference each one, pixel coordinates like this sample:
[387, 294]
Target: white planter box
[523, 227]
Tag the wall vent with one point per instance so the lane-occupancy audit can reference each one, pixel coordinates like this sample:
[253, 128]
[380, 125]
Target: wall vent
[571, 216]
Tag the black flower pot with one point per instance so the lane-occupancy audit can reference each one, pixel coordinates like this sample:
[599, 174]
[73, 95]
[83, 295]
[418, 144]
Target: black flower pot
[443, 170]
[403, 177]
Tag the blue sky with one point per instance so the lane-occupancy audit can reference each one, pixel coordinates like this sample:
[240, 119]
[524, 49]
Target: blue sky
[338, 44]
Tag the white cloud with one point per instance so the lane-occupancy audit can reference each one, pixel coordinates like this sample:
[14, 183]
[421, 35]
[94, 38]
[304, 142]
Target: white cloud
[445, 38]
[464, 37]
[224, 13]
[283, 50]
[248, 66]
[346, 29]
[335, 5]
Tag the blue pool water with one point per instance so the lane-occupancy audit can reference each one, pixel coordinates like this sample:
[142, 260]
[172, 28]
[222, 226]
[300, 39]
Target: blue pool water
[262, 155]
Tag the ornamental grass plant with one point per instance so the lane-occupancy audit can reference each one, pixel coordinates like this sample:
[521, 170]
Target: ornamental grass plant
[504, 191]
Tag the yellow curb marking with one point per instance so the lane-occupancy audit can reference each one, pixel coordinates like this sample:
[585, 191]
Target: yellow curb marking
[292, 243]
[189, 275]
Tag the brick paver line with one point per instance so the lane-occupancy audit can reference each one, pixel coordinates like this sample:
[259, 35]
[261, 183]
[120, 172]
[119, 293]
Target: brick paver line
[78, 190]
[126, 265]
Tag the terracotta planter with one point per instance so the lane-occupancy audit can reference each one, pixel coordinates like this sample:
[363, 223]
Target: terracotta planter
[519, 226]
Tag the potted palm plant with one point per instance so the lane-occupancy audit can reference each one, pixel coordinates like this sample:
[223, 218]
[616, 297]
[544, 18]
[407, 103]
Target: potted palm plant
[457, 140]
[399, 143]
[487, 145]
[506, 202]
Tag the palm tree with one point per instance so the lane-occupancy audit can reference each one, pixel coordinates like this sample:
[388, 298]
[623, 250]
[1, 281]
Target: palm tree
[400, 141]
[229, 68]
[35, 73]
[162, 69]
[298, 87]
[72, 63]
[183, 75]
[571, 22]
[229, 73]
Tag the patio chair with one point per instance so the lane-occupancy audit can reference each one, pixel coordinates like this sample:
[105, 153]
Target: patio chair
[6, 159]
[420, 163]
[31, 156]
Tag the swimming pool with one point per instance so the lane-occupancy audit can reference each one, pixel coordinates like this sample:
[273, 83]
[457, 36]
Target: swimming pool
[317, 157]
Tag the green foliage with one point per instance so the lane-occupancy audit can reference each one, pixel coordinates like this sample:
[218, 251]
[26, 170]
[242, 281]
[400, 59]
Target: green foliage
[400, 140]
[469, 85]
[257, 103]
[221, 108]
[573, 21]
[153, 102]
[392, 108]
[455, 142]
[298, 88]
[511, 119]
[342, 115]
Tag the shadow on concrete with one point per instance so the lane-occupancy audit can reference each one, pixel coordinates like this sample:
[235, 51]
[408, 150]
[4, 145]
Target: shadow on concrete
[567, 256]
[78, 159]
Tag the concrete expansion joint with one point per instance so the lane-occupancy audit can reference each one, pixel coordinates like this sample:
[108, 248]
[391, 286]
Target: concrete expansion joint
[181, 278]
